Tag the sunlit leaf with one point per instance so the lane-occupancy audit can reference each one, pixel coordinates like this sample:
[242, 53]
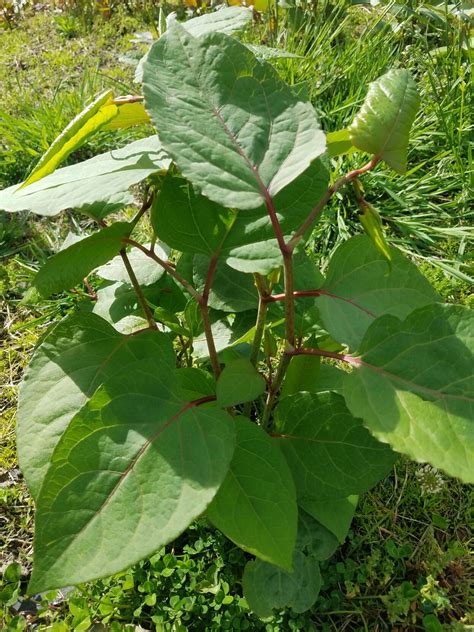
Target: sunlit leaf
[135, 445]
[413, 386]
[382, 126]
[219, 112]
[80, 129]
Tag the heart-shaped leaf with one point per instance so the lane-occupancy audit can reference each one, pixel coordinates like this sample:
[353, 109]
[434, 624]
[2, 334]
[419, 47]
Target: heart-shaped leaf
[233, 128]
[134, 467]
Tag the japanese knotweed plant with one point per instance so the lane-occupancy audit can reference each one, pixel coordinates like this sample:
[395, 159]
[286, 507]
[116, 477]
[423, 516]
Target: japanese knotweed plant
[219, 372]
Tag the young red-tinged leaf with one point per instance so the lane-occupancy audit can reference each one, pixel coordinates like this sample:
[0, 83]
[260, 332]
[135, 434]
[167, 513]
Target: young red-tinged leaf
[219, 113]
[70, 266]
[134, 467]
[239, 382]
[413, 387]
[69, 365]
[256, 504]
[382, 126]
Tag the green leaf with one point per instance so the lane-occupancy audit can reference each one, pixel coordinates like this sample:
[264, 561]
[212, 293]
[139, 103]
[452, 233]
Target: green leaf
[335, 514]
[227, 332]
[224, 20]
[12, 573]
[382, 126]
[96, 186]
[70, 266]
[339, 143]
[330, 453]
[219, 112]
[146, 270]
[134, 467]
[82, 127]
[267, 587]
[129, 113]
[117, 302]
[231, 291]
[413, 387]
[188, 221]
[314, 538]
[239, 382]
[250, 245]
[372, 223]
[195, 383]
[69, 365]
[256, 504]
[301, 375]
[360, 286]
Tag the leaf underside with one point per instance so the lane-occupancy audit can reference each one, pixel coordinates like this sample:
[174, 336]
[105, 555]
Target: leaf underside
[96, 186]
[382, 126]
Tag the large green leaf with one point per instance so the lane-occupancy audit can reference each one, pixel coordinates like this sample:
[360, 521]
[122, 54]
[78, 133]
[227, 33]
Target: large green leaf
[68, 267]
[192, 223]
[267, 587]
[134, 467]
[314, 537]
[330, 453]
[69, 365]
[224, 20]
[413, 386]
[239, 382]
[256, 505]
[96, 186]
[188, 221]
[251, 245]
[361, 285]
[233, 128]
[382, 126]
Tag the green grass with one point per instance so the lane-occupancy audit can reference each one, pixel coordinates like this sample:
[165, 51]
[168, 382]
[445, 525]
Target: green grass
[406, 558]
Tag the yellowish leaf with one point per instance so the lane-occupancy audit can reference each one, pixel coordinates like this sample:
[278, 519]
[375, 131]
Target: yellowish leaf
[79, 130]
[130, 112]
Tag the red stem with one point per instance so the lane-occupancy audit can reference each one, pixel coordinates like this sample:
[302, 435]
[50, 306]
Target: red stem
[325, 199]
